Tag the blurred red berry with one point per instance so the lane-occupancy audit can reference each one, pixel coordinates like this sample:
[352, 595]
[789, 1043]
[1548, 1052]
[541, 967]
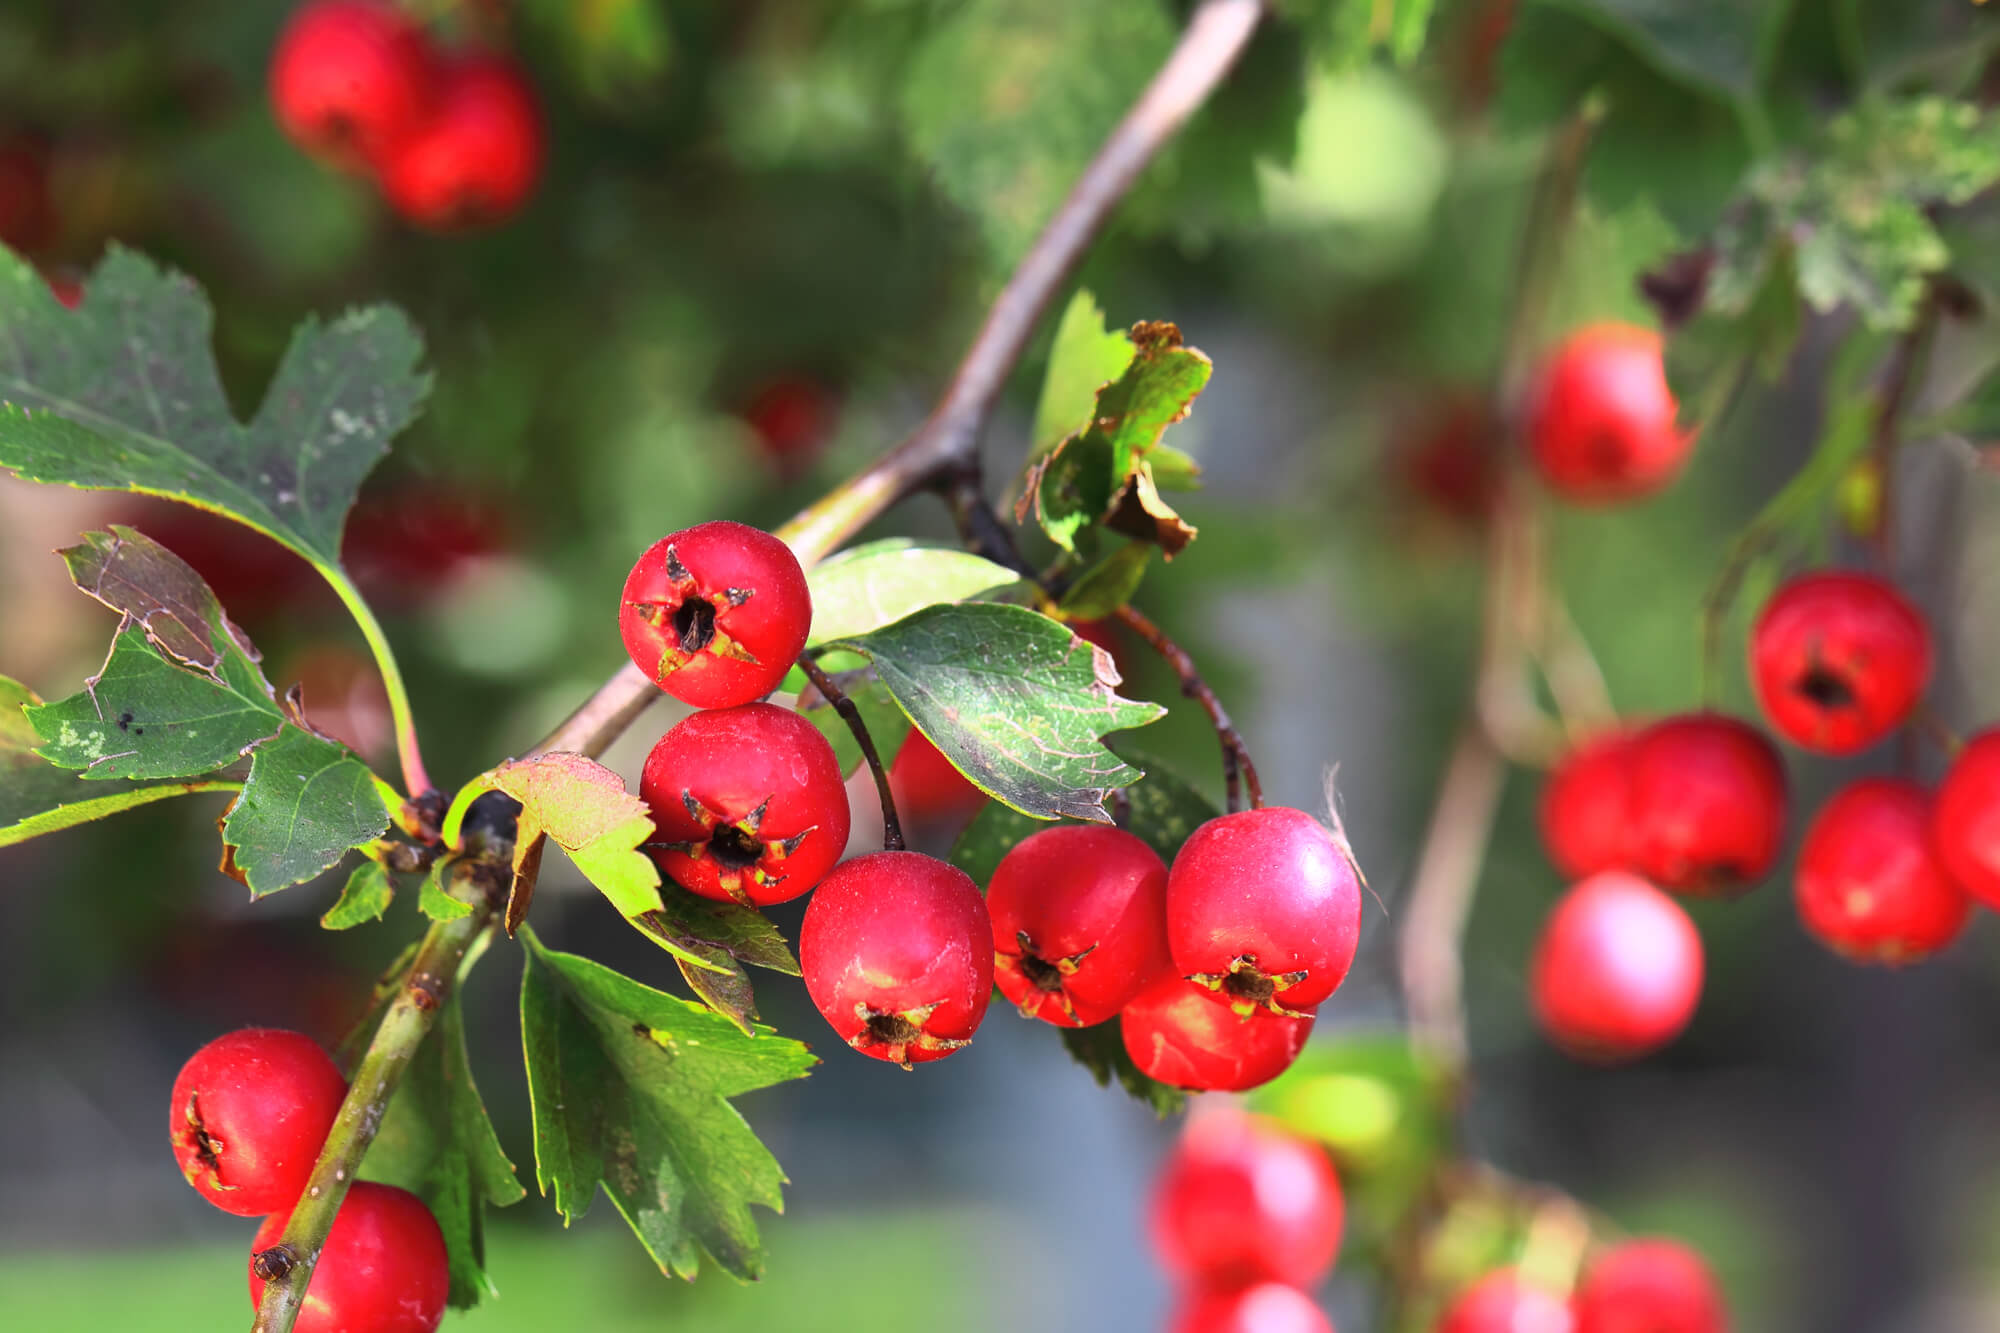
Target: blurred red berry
[1450, 458]
[1839, 660]
[1617, 970]
[1268, 1307]
[1965, 818]
[1600, 419]
[1650, 1286]
[351, 80]
[27, 218]
[1242, 1201]
[793, 417]
[1506, 1302]
[1708, 804]
[1869, 886]
[1586, 807]
[931, 794]
[477, 159]
[405, 545]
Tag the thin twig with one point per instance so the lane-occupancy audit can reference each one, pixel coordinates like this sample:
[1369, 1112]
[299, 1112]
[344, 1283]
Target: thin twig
[892, 827]
[1899, 378]
[1236, 762]
[947, 440]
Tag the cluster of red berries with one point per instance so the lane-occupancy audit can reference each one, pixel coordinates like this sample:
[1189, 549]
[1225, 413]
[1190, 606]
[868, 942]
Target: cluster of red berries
[1248, 1217]
[1640, 1286]
[454, 139]
[250, 1113]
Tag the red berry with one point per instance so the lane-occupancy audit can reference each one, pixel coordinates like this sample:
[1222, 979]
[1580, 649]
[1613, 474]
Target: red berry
[1601, 420]
[1241, 1201]
[897, 951]
[1708, 804]
[716, 614]
[748, 804]
[408, 544]
[250, 1111]
[384, 1268]
[1617, 970]
[1505, 1302]
[1869, 886]
[27, 219]
[1179, 1032]
[1448, 457]
[1264, 907]
[1079, 922]
[792, 416]
[65, 289]
[477, 159]
[351, 79]
[1965, 818]
[1839, 660]
[1650, 1286]
[1268, 1307]
[1586, 807]
[928, 790]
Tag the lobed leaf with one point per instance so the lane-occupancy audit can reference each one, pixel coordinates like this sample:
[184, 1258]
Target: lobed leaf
[868, 586]
[365, 897]
[712, 941]
[584, 808]
[307, 802]
[1084, 358]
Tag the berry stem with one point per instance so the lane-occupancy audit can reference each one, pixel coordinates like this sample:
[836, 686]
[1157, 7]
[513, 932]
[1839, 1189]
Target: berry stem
[416, 781]
[1902, 373]
[1238, 769]
[420, 996]
[892, 827]
[946, 444]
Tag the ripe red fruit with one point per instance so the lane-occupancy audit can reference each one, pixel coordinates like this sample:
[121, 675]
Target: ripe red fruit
[1600, 418]
[748, 804]
[384, 1268]
[476, 160]
[1268, 1307]
[928, 790]
[897, 951]
[1965, 818]
[1650, 1286]
[65, 289]
[27, 219]
[1839, 660]
[1708, 804]
[1505, 1302]
[1264, 908]
[1617, 970]
[1869, 885]
[1079, 922]
[1448, 456]
[1241, 1201]
[408, 544]
[249, 1113]
[792, 416]
[1586, 807]
[716, 614]
[1179, 1032]
[351, 79]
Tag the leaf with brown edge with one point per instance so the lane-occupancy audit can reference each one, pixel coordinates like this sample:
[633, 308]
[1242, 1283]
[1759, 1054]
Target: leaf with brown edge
[727, 936]
[160, 593]
[1140, 513]
[583, 807]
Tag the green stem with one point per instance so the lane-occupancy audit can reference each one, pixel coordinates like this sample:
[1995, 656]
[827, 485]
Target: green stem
[415, 779]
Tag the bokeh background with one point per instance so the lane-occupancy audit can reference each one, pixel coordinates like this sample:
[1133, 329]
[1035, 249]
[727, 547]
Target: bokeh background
[766, 232]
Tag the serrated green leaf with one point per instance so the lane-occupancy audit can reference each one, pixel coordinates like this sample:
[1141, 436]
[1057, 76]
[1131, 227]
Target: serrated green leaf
[435, 901]
[1085, 357]
[1109, 584]
[307, 802]
[365, 897]
[869, 586]
[1014, 700]
[711, 941]
[630, 1090]
[583, 807]
[1101, 1050]
[122, 394]
[36, 797]
[887, 723]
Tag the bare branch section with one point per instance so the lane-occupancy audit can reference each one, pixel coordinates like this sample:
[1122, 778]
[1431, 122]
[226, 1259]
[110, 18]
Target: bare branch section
[945, 444]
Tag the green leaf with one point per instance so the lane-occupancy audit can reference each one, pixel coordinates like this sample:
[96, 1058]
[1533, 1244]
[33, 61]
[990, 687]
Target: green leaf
[1107, 585]
[365, 897]
[629, 1088]
[435, 901]
[437, 1142]
[154, 589]
[1721, 46]
[869, 586]
[583, 807]
[711, 941]
[1101, 1050]
[613, 50]
[1347, 32]
[886, 722]
[123, 394]
[36, 797]
[1938, 43]
[308, 802]
[1014, 700]
[1086, 357]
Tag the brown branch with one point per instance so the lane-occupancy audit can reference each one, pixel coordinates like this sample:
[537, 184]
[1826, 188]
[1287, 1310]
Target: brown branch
[947, 441]
[1899, 379]
[1238, 770]
[892, 827]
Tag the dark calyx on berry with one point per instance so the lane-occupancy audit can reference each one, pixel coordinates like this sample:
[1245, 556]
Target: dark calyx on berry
[1249, 989]
[1827, 688]
[739, 853]
[896, 1033]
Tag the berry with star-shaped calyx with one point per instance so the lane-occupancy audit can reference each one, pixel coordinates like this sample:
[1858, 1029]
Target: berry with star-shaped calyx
[1241, 1200]
[1079, 922]
[1264, 909]
[250, 1111]
[716, 614]
[748, 804]
[1869, 885]
[1839, 660]
[1707, 804]
[897, 952]
[1180, 1033]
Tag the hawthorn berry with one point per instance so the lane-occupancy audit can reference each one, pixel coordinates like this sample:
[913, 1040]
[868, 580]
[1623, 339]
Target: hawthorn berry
[1838, 660]
[1079, 922]
[477, 158]
[1617, 969]
[1264, 908]
[1585, 813]
[351, 79]
[1242, 1201]
[1179, 1032]
[928, 789]
[1965, 818]
[1868, 885]
[250, 1111]
[897, 952]
[383, 1270]
[1650, 1286]
[716, 614]
[748, 804]
[1268, 1307]
[1600, 419]
[1707, 804]
[1504, 1301]
[792, 417]
[27, 219]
